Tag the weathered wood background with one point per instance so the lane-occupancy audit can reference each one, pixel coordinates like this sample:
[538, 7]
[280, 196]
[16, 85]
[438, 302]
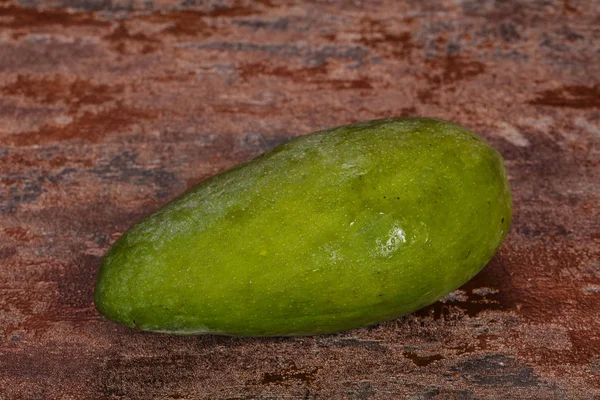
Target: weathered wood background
[110, 108]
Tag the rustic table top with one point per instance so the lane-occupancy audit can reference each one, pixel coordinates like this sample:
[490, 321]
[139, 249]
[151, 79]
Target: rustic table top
[109, 109]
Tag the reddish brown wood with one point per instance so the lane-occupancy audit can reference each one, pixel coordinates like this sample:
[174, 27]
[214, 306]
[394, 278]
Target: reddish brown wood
[109, 109]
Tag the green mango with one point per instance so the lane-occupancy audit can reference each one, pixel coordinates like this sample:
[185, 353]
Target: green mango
[335, 230]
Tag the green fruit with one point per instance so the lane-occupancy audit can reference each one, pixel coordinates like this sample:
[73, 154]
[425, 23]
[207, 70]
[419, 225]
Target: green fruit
[331, 231]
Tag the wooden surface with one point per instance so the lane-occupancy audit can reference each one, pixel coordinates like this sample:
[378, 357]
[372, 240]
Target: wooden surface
[109, 108]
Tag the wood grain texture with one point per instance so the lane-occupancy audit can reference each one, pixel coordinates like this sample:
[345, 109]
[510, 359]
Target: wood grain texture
[110, 108]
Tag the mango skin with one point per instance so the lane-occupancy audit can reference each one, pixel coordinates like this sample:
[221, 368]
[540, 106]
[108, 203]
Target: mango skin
[331, 231]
